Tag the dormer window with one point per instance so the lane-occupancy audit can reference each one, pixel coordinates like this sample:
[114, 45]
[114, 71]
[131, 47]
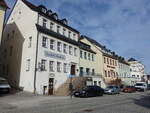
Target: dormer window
[49, 12]
[43, 8]
[44, 22]
[74, 36]
[64, 21]
[64, 31]
[55, 16]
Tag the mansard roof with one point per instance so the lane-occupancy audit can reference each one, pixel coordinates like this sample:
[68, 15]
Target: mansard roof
[37, 9]
[131, 59]
[3, 4]
[56, 35]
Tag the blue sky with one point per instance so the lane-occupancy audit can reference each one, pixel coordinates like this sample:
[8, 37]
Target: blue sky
[121, 25]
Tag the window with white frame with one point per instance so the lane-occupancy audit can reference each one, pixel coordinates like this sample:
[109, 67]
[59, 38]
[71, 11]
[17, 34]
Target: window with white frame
[93, 57]
[59, 46]
[81, 54]
[74, 36]
[51, 25]
[30, 42]
[75, 51]
[64, 31]
[65, 48]
[70, 50]
[65, 67]
[28, 65]
[52, 44]
[58, 66]
[89, 56]
[44, 22]
[51, 66]
[43, 65]
[58, 29]
[85, 55]
[44, 42]
[69, 34]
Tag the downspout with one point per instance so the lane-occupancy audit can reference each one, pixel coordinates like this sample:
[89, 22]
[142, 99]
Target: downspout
[35, 71]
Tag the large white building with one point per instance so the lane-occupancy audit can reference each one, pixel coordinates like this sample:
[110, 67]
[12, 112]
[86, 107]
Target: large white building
[136, 70]
[39, 50]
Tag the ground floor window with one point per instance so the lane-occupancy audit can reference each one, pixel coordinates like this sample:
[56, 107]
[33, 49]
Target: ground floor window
[58, 66]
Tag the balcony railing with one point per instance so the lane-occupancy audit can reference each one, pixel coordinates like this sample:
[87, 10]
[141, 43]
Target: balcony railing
[89, 74]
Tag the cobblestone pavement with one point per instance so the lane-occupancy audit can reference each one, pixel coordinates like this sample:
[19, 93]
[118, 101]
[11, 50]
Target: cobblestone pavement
[138, 102]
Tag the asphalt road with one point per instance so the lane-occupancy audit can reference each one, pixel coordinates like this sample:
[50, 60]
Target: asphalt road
[123, 103]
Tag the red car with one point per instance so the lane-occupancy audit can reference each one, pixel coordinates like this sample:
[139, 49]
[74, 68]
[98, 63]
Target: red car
[129, 89]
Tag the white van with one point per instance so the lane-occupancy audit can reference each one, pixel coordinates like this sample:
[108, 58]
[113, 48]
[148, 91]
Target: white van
[141, 86]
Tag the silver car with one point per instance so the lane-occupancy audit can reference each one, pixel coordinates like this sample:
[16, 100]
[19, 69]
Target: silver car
[112, 90]
[4, 86]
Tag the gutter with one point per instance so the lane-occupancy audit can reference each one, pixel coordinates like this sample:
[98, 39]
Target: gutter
[35, 71]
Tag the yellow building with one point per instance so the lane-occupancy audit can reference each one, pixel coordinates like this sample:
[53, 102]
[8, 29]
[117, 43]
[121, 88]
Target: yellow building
[92, 63]
[3, 8]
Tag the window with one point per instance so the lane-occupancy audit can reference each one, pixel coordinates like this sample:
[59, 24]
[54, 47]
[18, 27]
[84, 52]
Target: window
[58, 29]
[81, 71]
[65, 68]
[105, 73]
[70, 50]
[110, 62]
[5, 53]
[30, 42]
[58, 66]
[13, 34]
[93, 71]
[44, 42]
[51, 25]
[28, 65]
[69, 34]
[75, 51]
[95, 83]
[113, 62]
[59, 46]
[8, 36]
[51, 66]
[74, 36]
[52, 44]
[11, 50]
[64, 31]
[104, 59]
[89, 56]
[81, 54]
[133, 76]
[92, 57]
[85, 55]
[107, 60]
[43, 65]
[65, 48]
[44, 22]
[108, 73]
[87, 71]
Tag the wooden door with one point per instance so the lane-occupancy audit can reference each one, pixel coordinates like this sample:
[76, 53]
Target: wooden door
[51, 86]
[73, 69]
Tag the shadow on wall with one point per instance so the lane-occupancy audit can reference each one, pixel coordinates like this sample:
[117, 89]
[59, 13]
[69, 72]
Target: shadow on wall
[144, 101]
[13, 61]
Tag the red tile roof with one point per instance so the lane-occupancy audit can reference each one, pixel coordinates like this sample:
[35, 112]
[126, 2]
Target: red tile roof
[3, 4]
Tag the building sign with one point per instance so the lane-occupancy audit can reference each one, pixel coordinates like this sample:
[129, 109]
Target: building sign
[55, 55]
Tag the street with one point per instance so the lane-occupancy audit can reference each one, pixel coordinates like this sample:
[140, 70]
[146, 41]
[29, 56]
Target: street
[138, 102]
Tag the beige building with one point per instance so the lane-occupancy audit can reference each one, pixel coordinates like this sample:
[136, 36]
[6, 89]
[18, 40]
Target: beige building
[3, 8]
[95, 65]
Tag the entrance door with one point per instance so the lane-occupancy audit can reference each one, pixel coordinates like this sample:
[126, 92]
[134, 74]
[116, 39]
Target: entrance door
[51, 86]
[73, 69]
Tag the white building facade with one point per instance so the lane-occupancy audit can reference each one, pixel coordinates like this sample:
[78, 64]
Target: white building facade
[137, 70]
[43, 50]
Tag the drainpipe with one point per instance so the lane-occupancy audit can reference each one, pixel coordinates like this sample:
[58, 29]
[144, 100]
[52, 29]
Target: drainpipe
[35, 70]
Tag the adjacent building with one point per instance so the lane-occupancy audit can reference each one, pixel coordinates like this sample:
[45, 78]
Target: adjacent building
[137, 70]
[3, 8]
[40, 51]
[92, 63]
[124, 72]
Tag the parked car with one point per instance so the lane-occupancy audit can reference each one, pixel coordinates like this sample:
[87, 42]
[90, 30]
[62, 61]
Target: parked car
[4, 86]
[129, 89]
[112, 90]
[89, 91]
[141, 86]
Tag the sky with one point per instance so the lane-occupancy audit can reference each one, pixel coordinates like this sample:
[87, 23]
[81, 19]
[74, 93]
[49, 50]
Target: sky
[121, 25]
